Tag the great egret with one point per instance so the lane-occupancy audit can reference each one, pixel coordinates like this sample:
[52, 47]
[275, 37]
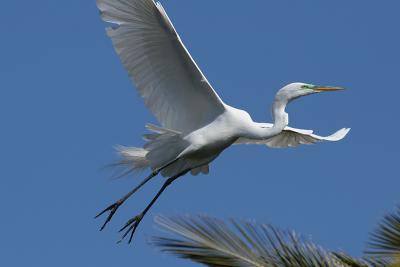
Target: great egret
[196, 124]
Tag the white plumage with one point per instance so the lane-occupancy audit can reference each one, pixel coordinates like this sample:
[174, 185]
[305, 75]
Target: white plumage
[292, 137]
[173, 87]
[196, 125]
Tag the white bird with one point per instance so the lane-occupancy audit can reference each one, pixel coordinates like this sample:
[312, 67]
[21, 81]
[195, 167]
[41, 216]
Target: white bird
[196, 124]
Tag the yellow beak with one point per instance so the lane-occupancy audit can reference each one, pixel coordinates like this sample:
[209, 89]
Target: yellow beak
[327, 88]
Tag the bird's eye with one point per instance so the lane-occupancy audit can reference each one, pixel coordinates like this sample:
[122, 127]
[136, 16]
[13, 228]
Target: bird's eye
[305, 87]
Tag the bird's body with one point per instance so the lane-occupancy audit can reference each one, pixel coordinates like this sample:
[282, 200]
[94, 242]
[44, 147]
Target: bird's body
[207, 142]
[194, 149]
[196, 124]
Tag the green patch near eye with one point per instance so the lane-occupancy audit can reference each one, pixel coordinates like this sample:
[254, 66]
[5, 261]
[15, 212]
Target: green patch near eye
[309, 86]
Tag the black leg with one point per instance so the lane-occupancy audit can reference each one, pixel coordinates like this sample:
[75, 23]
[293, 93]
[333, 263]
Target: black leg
[133, 223]
[114, 207]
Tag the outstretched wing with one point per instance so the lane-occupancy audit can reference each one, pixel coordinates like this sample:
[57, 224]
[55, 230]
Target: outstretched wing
[165, 74]
[292, 137]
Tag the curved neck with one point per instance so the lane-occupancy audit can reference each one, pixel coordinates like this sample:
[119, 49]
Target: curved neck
[281, 120]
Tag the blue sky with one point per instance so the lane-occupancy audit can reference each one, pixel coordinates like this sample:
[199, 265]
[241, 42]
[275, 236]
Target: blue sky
[66, 101]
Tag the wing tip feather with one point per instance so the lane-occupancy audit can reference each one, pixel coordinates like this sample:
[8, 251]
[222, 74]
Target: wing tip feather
[339, 135]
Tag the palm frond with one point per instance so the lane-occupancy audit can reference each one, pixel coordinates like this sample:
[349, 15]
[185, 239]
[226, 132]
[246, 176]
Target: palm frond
[215, 243]
[384, 246]
[364, 262]
[385, 241]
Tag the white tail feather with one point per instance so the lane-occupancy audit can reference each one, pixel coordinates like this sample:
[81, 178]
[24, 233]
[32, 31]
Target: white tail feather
[162, 147]
[133, 157]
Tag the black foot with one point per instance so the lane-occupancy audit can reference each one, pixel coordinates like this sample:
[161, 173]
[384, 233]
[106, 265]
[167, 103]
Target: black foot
[131, 227]
[112, 209]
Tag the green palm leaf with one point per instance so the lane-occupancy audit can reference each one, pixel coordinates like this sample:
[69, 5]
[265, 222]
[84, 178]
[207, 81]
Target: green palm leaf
[215, 243]
[385, 241]
[365, 262]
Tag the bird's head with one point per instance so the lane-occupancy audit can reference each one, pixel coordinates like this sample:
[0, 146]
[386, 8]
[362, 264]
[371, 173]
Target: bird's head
[295, 90]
